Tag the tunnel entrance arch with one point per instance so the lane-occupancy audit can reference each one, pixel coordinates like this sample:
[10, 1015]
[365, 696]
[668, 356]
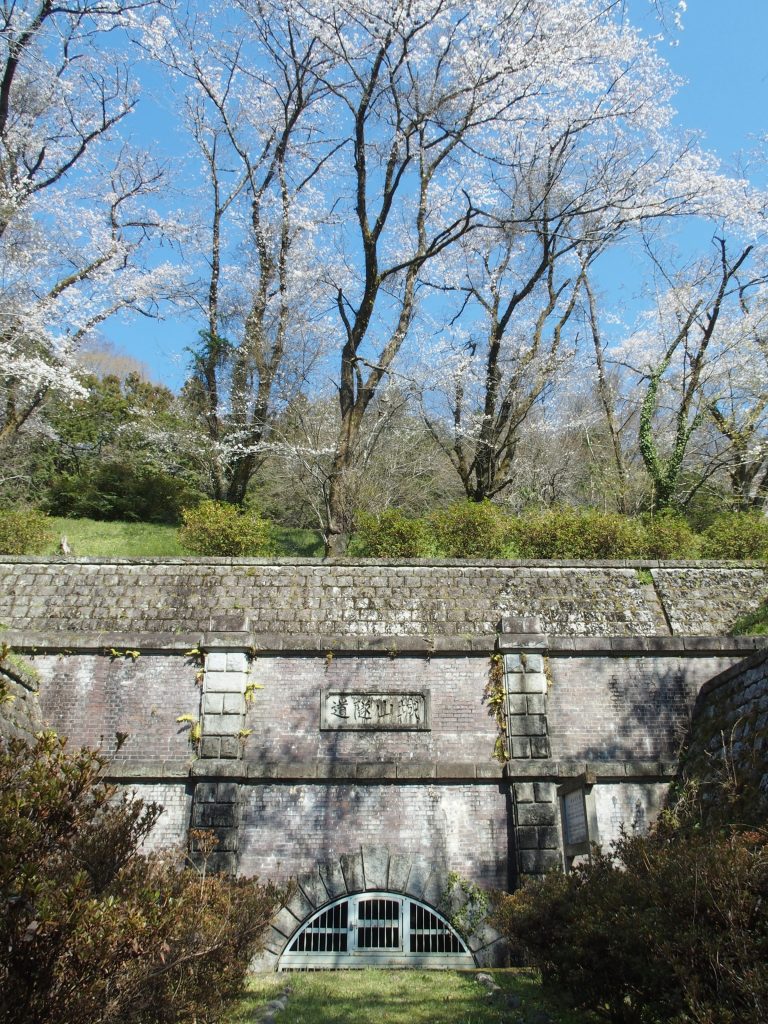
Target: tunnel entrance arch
[370, 929]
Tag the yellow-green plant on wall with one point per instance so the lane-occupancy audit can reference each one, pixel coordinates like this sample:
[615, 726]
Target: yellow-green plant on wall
[250, 692]
[195, 728]
[494, 698]
[196, 656]
[116, 652]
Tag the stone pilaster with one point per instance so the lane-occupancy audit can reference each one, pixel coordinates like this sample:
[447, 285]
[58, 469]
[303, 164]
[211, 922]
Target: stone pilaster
[215, 819]
[224, 689]
[536, 828]
[214, 825]
[534, 803]
[525, 686]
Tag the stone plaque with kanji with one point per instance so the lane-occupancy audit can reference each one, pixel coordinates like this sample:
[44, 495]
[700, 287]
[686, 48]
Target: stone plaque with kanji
[354, 710]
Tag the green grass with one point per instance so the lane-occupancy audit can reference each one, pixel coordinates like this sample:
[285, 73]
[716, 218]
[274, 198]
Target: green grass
[753, 624]
[296, 543]
[403, 997]
[93, 538]
[90, 537]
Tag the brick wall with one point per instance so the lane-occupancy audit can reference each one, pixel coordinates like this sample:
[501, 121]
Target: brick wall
[285, 716]
[620, 708]
[175, 798]
[90, 697]
[287, 829]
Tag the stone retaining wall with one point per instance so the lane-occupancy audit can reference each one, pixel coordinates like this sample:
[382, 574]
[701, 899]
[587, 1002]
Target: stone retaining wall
[728, 743]
[326, 601]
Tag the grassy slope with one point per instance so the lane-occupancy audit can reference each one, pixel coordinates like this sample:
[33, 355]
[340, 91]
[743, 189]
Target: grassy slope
[403, 997]
[88, 537]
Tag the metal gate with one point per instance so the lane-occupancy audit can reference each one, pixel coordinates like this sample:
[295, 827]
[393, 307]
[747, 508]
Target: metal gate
[375, 928]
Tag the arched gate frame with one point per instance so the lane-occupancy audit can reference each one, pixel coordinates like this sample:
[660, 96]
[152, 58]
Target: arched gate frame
[375, 929]
[375, 906]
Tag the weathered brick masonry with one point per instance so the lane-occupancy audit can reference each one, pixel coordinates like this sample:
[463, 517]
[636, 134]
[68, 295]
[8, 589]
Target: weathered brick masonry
[345, 706]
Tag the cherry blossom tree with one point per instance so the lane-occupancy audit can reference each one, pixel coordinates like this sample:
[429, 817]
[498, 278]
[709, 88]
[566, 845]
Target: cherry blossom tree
[737, 405]
[596, 158]
[75, 218]
[253, 101]
[466, 122]
[414, 83]
[697, 363]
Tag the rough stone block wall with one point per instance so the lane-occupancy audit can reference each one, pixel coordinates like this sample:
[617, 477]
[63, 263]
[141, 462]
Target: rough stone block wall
[608, 708]
[289, 829]
[362, 599]
[20, 714]
[728, 741]
[701, 601]
[22, 718]
[91, 697]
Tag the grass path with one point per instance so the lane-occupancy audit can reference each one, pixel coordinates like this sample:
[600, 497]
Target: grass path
[403, 997]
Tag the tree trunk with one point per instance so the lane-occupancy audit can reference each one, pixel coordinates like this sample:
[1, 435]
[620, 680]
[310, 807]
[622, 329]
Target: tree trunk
[337, 527]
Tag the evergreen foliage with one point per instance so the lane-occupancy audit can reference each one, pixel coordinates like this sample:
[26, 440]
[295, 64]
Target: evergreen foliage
[391, 534]
[121, 491]
[485, 530]
[471, 530]
[737, 535]
[567, 532]
[668, 927]
[93, 931]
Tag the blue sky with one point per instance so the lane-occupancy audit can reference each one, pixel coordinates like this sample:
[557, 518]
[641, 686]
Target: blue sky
[722, 54]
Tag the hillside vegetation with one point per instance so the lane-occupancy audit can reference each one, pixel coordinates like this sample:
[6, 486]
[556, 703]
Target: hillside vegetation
[461, 530]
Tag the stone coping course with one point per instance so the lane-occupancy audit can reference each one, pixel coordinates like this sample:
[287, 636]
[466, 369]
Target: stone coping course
[124, 770]
[399, 563]
[311, 645]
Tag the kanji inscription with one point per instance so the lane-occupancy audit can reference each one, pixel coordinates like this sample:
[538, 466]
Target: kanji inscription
[343, 709]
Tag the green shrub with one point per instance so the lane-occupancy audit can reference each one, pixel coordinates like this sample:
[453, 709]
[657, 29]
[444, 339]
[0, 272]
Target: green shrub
[471, 530]
[391, 534]
[92, 930]
[23, 531]
[121, 491]
[737, 535]
[671, 927]
[566, 532]
[668, 535]
[217, 528]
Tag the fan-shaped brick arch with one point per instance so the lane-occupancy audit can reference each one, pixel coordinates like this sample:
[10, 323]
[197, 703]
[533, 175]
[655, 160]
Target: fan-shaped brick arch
[370, 869]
